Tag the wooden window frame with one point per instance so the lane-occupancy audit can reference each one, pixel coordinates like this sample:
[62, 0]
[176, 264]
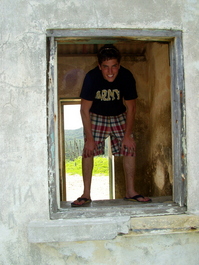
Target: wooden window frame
[174, 38]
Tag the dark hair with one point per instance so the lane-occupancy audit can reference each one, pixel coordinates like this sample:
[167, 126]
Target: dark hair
[108, 52]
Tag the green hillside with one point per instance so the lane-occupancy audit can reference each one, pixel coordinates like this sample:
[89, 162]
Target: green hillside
[71, 134]
[74, 143]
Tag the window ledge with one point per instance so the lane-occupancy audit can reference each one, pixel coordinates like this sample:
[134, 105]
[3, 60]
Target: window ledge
[109, 228]
[119, 207]
[77, 230]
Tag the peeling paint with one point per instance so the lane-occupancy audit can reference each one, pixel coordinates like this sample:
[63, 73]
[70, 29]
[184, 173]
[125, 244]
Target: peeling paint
[24, 136]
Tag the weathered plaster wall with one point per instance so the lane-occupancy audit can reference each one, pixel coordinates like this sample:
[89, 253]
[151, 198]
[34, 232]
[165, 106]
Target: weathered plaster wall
[23, 158]
[123, 250]
[191, 70]
[160, 147]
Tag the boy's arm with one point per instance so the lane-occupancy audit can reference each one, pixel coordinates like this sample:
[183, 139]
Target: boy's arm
[85, 114]
[128, 140]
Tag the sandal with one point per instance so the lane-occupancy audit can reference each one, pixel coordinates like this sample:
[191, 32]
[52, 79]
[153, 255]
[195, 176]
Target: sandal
[86, 201]
[136, 198]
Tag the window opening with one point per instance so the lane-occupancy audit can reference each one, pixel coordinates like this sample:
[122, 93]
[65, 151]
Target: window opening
[147, 40]
[149, 63]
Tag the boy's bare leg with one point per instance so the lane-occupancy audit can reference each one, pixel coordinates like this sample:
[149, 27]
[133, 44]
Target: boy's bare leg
[87, 168]
[129, 170]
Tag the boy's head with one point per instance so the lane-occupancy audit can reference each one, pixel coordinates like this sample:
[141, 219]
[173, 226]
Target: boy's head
[109, 62]
[108, 52]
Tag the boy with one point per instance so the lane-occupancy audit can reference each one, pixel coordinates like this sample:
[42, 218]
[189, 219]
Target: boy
[108, 106]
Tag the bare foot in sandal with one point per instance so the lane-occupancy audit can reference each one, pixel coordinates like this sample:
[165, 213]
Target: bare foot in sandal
[80, 202]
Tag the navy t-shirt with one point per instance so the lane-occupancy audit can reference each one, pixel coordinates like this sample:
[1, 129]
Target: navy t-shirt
[107, 96]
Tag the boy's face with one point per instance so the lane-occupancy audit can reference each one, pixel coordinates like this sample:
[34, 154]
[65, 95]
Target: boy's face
[110, 69]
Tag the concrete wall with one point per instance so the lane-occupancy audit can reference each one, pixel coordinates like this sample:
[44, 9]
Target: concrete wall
[23, 141]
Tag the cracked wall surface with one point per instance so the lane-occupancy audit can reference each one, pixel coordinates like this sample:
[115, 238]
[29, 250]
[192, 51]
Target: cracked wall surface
[23, 130]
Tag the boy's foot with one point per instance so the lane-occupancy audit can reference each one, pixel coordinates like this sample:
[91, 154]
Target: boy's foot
[137, 198]
[80, 202]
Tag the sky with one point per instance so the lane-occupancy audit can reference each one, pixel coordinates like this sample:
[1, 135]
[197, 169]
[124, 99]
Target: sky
[72, 118]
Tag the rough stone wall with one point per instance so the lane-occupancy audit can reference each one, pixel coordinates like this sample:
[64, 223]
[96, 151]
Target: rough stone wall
[23, 140]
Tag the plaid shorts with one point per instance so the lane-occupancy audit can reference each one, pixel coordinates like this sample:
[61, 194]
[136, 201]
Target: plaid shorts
[105, 126]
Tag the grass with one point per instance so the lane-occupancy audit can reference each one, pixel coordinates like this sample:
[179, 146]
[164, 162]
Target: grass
[101, 167]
